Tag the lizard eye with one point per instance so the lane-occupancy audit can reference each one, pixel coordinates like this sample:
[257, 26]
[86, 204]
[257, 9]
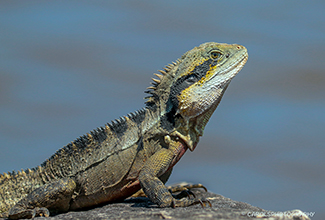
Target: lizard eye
[215, 55]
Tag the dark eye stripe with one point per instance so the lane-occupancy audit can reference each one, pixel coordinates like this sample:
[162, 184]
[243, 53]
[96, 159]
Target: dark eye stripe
[191, 79]
[202, 69]
[182, 83]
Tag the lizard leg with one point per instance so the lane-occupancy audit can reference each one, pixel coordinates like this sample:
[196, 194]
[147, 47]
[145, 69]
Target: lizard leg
[163, 178]
[155, 189]
[54, 196]
[182, 190]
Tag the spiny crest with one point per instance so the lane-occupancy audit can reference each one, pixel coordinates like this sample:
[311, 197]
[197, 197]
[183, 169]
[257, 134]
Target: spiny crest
[137, 116]
[96, 135]
[15, 174]
[120, 125]
[134, 115]
[151, 90]
[5, 176]
[99, 135]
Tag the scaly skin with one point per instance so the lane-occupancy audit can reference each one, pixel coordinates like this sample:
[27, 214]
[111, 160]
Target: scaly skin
[135, 152]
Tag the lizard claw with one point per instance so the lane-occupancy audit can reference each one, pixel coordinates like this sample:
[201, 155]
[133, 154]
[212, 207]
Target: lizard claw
[185, 190]
[189, 192]
[208, 201]
[173, 204]
[40, 212]
[185, 193]
[29, 213]
[203, 202]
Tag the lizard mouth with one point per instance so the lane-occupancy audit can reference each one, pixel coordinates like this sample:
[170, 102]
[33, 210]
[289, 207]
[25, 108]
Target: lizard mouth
[233, 69]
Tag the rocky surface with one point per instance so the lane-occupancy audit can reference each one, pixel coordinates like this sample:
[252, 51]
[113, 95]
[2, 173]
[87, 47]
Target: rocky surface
[142, 208]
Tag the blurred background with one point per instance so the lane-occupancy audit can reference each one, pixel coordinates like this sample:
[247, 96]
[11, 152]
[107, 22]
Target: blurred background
[67, 67]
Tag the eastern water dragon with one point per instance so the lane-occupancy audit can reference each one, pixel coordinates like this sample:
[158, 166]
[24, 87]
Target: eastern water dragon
[134, 152]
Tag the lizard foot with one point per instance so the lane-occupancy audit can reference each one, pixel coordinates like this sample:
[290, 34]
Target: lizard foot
[185, 190]
[29, 213]
[54, 196]
[4, 215]
[183, 199]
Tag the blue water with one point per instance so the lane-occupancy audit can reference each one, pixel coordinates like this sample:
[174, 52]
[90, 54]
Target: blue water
[69, 67]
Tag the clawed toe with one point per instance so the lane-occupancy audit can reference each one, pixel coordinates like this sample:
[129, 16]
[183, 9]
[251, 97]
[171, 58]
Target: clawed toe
[203, 202]
[29, 213]
[185, 193]
[42, 212]
[185, 190]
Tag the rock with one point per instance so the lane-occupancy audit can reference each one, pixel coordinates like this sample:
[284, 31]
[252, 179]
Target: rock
[142, 208]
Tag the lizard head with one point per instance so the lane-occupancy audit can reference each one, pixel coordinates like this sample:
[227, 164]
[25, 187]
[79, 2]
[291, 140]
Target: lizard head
[192, 84]
[192, 87]
[202, 74]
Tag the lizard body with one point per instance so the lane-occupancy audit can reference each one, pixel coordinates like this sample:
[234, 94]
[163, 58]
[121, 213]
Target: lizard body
[134, 152]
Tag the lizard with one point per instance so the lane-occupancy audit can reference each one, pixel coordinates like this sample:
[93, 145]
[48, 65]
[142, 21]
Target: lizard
[137, 151]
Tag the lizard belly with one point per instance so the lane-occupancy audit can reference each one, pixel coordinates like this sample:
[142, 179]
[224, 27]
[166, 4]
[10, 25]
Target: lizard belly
[105, 195]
